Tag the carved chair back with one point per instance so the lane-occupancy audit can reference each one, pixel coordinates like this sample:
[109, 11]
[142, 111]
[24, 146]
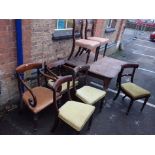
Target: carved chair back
[89, 28]
[124, 73]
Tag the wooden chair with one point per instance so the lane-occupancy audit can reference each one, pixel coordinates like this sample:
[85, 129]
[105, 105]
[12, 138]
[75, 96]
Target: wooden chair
[75, 114]
[36, 98]
[90, 26]
[82, 43]
[56, 69]
[86, 93]
[133, 91]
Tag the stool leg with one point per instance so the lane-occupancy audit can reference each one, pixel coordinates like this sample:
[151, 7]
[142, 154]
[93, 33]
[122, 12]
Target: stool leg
[130, 105]
[145, 101]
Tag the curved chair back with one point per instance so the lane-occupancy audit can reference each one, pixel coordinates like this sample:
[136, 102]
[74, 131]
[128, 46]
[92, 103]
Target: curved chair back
[122, 73]
[89, 28]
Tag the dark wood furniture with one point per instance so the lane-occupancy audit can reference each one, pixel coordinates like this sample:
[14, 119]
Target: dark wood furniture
[82, 43]
[74, 114]
[105, 68]
[56, 69]
[89, 34]
[133, 91]
[32, 94]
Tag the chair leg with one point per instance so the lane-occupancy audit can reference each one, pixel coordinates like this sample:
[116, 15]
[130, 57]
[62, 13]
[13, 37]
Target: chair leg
[105, 49]
[90, 122]
[97, 53]
[78, 52]
[145, 101]
[130, 105]
[72, 51]
[82, 51]
[55, 124]
[117, 94]
[101, 104]
[123, 97]
[35, 122]
[20, 106]
[88, 56]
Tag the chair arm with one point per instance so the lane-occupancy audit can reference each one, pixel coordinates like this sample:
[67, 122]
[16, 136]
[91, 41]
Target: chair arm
[33, 102]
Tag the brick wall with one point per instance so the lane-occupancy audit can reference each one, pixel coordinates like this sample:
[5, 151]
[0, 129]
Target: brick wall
[8, 61]
[43, 47]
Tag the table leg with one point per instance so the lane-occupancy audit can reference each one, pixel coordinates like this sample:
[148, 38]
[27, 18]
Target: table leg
[106, 83]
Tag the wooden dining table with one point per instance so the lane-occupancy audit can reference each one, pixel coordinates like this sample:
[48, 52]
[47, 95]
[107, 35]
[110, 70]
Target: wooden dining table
[105, 68]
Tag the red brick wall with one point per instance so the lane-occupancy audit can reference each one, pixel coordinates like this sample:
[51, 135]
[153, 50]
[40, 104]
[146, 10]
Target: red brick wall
[27, 43]
[8, 61]
[99, 28]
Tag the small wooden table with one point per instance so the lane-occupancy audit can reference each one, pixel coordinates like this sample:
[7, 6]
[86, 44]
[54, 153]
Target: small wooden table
[105, 68]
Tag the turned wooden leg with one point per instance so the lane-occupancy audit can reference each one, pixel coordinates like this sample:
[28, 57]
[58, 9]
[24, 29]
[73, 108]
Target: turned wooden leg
[145, 101]
[130, 105]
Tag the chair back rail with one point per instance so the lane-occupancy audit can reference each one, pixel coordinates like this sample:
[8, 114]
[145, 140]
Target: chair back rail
[90, 26]
[122, 74]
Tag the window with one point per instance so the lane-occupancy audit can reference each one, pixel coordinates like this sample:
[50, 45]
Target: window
[111, 23]
[63, 29]
[63, 24]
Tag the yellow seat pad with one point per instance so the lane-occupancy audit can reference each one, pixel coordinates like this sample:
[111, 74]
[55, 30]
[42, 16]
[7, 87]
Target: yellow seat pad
[76, 114]
[90, 95]
[134, 90]
[64, 85]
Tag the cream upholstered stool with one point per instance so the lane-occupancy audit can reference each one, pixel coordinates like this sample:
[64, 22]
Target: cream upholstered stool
[75, 114]
[133, 91]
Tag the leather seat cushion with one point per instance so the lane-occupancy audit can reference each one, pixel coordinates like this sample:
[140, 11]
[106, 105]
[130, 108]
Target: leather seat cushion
[44, 98]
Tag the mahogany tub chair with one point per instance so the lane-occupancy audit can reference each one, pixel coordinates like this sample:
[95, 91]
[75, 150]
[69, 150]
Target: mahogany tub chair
[133, 91]
[90, 27]
[82, 43]
[73, 113]
[34, 96]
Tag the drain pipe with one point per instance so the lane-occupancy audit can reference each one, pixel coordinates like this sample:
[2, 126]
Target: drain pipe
[19, 41]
